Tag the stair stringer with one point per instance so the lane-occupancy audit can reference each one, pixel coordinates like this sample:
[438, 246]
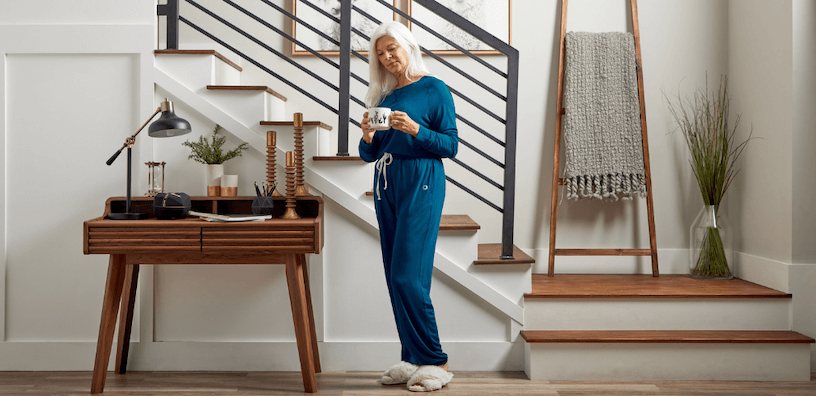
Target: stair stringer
[335, 193]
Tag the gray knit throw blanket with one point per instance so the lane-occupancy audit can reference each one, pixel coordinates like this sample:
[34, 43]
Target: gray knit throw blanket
[602, 131]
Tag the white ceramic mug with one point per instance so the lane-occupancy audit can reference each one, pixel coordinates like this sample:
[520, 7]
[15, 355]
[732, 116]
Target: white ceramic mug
[379, 118]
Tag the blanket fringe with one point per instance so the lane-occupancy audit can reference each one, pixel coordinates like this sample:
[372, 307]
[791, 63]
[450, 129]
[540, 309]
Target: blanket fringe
[606, 187]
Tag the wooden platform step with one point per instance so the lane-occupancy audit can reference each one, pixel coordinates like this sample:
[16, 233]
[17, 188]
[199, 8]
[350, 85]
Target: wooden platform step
[247, 88]
[645, 286]
[457, 223]
[200, 52]
[490, 254]
[670, 336]
[292, 123]
[337, 158]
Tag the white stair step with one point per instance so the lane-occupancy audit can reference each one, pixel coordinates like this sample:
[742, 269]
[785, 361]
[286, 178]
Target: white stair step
[196, 69]
[248, 103]
[643, 302]
[667, 355]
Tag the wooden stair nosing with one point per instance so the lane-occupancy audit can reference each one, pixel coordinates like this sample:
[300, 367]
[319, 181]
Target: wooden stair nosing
[336, 158]
[292, 123]
[597, 286]
[490, 254]
[200, 52]
[247, 88]
[667, 336]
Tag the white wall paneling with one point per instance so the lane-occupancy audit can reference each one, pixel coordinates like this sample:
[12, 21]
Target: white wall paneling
[71, 94]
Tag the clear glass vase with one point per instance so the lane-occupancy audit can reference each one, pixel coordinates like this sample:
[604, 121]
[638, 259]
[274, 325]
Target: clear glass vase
[712, 245]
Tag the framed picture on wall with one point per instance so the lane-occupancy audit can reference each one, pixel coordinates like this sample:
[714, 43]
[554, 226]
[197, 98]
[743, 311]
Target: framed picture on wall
[332, 29]
[490, 15]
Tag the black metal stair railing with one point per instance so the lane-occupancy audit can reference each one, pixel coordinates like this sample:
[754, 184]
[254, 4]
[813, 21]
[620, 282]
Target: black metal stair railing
[343, 85]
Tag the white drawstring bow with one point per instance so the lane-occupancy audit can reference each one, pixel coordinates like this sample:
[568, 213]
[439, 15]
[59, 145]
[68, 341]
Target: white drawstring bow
[382, 167]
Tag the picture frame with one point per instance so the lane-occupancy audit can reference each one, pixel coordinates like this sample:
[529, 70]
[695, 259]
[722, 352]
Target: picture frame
[331, 28]
[499, 24]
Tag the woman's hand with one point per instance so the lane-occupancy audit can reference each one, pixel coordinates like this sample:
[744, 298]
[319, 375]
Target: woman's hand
[401, 122]
[368, 133]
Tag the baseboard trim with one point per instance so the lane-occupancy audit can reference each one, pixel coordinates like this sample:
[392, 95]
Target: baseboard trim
[250, 356]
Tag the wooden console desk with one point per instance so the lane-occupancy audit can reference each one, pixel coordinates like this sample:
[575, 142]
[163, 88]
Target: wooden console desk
[131, 243]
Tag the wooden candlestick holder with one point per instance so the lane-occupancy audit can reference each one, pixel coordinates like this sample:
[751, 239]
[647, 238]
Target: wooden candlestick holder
[271, 156]
[300, 187]
[290, 187]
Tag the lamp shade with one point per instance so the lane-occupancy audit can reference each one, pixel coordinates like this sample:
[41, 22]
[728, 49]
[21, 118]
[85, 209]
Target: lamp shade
[168, 123]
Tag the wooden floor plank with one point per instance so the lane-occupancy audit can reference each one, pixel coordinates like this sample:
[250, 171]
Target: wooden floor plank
[367, 383]
[645, 286]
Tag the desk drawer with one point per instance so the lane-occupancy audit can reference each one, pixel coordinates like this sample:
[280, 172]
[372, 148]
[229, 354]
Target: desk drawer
[142, 239]
[291, 239]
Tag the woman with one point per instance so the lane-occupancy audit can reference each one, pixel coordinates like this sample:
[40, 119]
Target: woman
[409, 191]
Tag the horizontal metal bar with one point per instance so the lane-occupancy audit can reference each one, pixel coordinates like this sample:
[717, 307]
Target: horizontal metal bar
[282, 33]
[477, 173]
[254, 62]
[480, 130]
[446, 40]
[471, 192]
[302, 22]
[480, 152]
[476, 105]
[603, 252]
[265, 46]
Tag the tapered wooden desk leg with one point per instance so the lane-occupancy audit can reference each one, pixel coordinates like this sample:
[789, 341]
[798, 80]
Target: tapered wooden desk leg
[300, 312]
[126, 317]
[107, 325]
[302, 258]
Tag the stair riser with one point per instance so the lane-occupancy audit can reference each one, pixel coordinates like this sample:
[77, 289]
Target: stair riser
[670, 361]
[460, 246]
[198, 70]
[248, 107]
[657, 314]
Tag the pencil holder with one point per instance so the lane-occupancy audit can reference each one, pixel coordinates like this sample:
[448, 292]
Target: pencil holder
[262, 205]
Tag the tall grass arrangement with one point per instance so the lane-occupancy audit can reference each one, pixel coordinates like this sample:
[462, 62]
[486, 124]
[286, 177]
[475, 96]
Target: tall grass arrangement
[212, 153]
[714, 150]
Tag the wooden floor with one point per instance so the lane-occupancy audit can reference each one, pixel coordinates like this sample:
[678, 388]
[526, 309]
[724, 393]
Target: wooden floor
[367, 383]
[645, 286]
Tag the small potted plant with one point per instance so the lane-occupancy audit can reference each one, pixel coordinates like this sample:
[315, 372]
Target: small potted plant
[213, 155]
[714, 150]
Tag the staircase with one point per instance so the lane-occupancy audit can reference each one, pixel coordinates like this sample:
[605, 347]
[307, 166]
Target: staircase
[210, 83]
[573, 327]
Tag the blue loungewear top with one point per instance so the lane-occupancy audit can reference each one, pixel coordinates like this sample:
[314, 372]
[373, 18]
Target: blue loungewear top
[409, 193]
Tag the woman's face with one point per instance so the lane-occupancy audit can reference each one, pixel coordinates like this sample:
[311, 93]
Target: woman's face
[391, 55]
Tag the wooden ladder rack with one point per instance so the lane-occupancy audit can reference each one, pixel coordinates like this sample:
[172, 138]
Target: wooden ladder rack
[557, 181]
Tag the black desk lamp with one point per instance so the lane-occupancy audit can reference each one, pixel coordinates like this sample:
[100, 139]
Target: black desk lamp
[167, 125]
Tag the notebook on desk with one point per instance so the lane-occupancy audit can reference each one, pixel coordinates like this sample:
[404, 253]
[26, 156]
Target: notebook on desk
[236, 217]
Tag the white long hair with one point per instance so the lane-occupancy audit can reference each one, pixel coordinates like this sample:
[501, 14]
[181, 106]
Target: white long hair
[381, 81]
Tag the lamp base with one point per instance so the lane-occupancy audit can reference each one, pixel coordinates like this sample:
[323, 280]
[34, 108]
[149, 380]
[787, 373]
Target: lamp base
[127, 216]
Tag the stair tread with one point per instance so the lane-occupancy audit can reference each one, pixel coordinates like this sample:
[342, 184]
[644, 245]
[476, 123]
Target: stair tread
[200, 52]
[335, 158]
[645, 286]
[489, 254]
[247, 88]
[457, 223]
[292, 123]
[668, 336]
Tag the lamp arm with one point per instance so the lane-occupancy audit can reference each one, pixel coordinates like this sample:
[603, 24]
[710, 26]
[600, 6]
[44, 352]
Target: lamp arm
[129, 141]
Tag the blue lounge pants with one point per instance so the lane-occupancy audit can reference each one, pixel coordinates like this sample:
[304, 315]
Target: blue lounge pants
[409, 209]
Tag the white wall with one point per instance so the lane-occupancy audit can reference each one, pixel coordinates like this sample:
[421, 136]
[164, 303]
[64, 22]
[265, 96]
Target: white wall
[804, 131]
